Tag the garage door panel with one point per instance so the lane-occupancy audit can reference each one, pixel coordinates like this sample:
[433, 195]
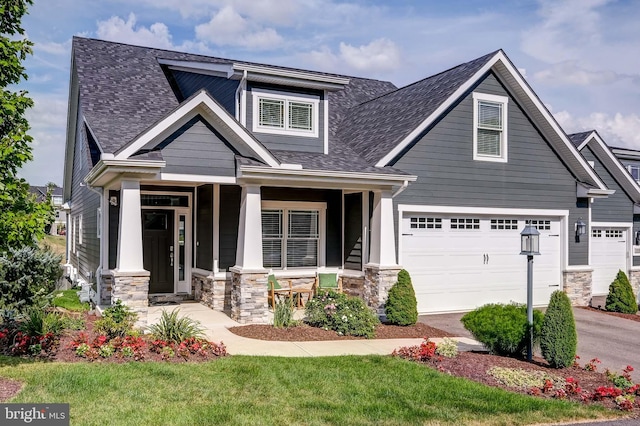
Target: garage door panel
[608, 255]
[461, 269]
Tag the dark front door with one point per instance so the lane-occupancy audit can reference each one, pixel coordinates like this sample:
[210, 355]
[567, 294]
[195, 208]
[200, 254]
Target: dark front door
[158, 250]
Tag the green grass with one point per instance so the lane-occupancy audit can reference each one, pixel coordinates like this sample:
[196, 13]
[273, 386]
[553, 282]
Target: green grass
[274, 391]
[57, 244]
[68, 299]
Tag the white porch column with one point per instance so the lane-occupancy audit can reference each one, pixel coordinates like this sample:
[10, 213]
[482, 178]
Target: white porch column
[383, 242]
[130, 232]
[249, 251]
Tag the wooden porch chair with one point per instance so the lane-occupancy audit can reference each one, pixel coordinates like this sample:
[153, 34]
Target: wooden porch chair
[328, 281]
[275, 289]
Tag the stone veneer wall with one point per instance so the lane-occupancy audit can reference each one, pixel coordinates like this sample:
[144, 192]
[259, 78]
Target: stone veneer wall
[353, 285]
[377, 282]
[634, 279]
[249, 297]
[106, 284]
[577, 285]
[133, 290]
[212, 292]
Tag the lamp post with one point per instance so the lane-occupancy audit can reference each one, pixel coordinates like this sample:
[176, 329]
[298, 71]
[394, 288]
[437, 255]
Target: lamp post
[530, 246]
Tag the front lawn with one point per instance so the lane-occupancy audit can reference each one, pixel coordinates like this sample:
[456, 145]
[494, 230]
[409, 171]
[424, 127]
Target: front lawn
[68, 299]
[272, 390]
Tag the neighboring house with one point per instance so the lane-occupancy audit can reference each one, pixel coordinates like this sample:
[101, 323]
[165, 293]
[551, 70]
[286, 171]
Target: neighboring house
[193, 176]
[59, 224]
[614, 244]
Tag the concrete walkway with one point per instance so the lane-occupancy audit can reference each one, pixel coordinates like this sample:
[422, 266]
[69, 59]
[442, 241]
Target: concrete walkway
[217, 324]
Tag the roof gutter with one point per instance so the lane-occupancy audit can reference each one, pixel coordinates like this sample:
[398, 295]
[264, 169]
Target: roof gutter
[105, 166]
[583, 191]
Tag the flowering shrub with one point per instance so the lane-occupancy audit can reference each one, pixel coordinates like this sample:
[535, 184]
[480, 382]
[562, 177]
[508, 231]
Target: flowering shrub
[622, 381]
[189, 346]
[423, 352]
[592, 365]
[571, 386]
[343, 314]
[23, 344]
[448, 348]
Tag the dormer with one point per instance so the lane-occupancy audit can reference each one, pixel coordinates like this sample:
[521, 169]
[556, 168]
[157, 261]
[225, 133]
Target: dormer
[284, 108]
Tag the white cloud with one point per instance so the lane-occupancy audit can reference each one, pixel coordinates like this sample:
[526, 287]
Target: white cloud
[228, 27]
[570, 72]
[52, 47]
[381, 55]
[622, 130]
[116, 29]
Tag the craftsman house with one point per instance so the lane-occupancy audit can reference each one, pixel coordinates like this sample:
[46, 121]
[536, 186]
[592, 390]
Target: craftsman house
[192, 176]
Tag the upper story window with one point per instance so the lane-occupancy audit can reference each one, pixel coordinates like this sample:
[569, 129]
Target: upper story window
[57, 200]
[285, 113]
[489, 127]
[635, 172]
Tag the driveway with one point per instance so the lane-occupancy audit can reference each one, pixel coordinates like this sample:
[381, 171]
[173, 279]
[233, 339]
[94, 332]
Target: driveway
[614, 341]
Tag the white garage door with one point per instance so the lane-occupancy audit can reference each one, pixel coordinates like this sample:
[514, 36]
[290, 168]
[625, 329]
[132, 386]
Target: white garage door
[460, 262]
[608, 256]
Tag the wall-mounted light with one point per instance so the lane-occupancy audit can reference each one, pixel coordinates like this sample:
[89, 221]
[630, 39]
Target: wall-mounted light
[581, 229]
[113, 201]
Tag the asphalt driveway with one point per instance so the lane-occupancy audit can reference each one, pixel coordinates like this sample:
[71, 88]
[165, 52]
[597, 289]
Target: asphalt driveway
[614, 341]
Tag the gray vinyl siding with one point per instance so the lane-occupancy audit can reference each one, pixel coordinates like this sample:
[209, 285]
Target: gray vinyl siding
[285, 142]
[230, 197]
[636, 228]
[221, 89]
[196, 148]
[533, 178]
[204, 228]
[615, 208]
[85, 203]
[333, 198]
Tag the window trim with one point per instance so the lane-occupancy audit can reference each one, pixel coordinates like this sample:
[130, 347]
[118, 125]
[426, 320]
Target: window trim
[636, 167]
[504, 101]
[285, 206]
[288, 98]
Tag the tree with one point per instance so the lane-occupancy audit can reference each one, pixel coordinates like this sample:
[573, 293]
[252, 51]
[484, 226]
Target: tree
[402, 307]
[558, 339]
[22, 219]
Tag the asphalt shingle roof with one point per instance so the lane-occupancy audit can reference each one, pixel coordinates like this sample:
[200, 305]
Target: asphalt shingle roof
[375, 127]
[577, 138]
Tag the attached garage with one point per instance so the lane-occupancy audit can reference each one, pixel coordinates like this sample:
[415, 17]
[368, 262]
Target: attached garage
[459, 261]
[609, 254]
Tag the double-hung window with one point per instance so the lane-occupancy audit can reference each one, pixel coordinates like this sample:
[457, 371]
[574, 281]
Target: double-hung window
[285, 113]
[292, 236]
[489, 127]
[635, 172]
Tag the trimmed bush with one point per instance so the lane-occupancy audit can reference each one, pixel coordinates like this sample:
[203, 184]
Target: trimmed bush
[558, 337]
[502, 329]
[117, 320]
[343, 314]
[402, 307]
[620, 297]
[27, 277]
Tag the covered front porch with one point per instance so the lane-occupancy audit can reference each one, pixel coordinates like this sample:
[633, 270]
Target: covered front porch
[216, 242]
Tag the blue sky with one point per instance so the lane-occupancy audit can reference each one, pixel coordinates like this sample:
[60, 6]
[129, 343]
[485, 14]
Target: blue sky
[582, 57]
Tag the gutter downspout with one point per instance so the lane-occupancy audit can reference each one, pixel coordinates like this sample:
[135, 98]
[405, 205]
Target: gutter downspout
[402, 188]
[241, 86]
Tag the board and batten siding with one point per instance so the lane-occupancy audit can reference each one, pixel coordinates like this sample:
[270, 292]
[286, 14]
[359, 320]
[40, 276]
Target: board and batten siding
[221, 89]
[617, 207]
[85, 204]
[230, 199]
[283, 141]
[196, 148]
[533, 178]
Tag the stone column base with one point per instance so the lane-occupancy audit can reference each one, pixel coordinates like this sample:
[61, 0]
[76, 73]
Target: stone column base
[377, 282]
[634, 279]
[577, 285]
[132, 288]
[353, 285]
[212, 292]
[249, 296]
[104, 292]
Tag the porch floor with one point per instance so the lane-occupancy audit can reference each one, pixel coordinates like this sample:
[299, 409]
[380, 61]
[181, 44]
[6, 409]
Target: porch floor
[216, 325]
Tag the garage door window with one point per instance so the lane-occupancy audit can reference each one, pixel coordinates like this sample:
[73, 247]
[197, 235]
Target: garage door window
[504, 224]
[541, 225]
[613, 233]
[465, 223]
[596, 233]
[426, 223]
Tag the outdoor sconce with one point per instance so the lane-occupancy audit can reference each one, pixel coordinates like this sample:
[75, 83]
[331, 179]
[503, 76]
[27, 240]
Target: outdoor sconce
[113, 200]
[581, 229]
[530, 241]
[530, 246]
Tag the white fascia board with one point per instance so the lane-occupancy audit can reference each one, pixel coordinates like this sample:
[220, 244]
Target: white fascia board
[583, 191]
[253, 171]
[72, 123]
[199, 67]
[122, 166]
[501, 58]
[292, 74]
[625, 179]
[416, 208]
[202, 99]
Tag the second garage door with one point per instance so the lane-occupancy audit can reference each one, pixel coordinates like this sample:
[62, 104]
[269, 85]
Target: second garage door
[459, 262]
[608, 256]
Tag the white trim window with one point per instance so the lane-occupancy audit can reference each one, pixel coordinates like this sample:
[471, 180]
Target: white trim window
[285, 113]
[634, 171]
[292, 236]
[490, 127]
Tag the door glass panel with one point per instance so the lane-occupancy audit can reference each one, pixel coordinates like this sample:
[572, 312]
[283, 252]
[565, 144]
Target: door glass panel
[155, 221]
[181, 247]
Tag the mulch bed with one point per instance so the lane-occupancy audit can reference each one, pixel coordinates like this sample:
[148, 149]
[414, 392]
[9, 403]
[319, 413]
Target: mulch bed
[8, 388]
[303, 332]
